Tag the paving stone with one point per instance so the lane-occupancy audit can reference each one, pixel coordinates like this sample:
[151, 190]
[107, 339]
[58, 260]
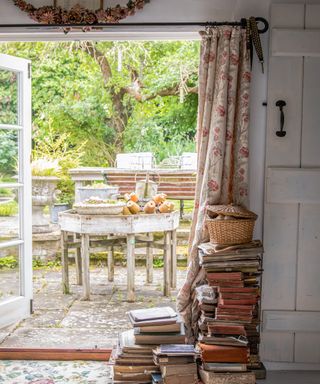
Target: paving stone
[59, 338]
[45, 319]
[52, 301]
[66, 321]
[3, 335]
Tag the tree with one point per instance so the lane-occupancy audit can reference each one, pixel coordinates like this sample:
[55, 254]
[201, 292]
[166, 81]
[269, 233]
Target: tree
[105, 95]
[125, 94]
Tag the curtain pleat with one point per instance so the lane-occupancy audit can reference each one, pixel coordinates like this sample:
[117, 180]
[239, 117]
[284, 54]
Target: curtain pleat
[222, 144]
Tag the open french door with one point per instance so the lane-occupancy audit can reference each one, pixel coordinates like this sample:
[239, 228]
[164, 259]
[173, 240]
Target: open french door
[15, 190]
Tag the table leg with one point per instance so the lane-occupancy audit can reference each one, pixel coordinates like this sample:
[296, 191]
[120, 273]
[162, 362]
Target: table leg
[64, 262]
[149, 258]
[111, 264]
[167, 263]
[85, 266]
[78, 265]
[174, 259]
[181, 208]
[130, 267]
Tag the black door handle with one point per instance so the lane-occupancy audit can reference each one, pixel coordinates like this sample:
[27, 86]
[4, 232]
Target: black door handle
[281, 104]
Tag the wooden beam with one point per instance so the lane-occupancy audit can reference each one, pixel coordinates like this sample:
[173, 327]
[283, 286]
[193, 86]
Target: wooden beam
[54, 354]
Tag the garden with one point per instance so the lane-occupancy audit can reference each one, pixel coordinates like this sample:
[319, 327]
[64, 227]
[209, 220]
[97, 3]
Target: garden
[91, 101]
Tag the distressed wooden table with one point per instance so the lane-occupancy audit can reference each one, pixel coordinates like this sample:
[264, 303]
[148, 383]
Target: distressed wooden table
[130, 227]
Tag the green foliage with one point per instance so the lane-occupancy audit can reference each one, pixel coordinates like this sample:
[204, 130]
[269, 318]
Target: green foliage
[54, 150]
[8, 262]
[9, 209]
[158, 263]
[72, 100]
[8, 152]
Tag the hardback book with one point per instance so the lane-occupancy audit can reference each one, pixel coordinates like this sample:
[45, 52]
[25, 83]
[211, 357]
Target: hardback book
[244, 301]
[237, 295]
[234, 265]
[163, 360]
[235, 309]
[248, 290]
[224, 340]
[224, 367]
[208, 377]
[133, 377]
[142, 360]
[235, 318]
[223, 354]
[161, 338]
[127, 344]
[181, 379]
[139, 324]
[226, 283]
[179, 369]
[206, 261]
[135, 369]
[224, 328]
[176, 349]
[223, 276]
[160, 328]
[148, 314]
[209, 249]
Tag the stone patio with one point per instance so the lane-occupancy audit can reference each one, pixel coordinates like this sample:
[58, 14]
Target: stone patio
[65, 321]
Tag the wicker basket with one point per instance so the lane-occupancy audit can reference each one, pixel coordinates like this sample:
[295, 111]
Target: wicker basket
[235, 230]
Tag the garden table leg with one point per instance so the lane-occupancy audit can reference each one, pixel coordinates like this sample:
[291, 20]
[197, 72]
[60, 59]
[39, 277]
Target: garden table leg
[111, 264]
[181, 208]
[85, 253]
[64, 262]
[78, 264]
[130, 267]
[174, 259]
[149, 258]
[167, 263]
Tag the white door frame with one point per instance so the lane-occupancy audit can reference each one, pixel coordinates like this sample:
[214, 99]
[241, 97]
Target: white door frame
[15, 309]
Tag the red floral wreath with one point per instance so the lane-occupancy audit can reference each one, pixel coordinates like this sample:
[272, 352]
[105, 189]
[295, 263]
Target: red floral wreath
[79, 14]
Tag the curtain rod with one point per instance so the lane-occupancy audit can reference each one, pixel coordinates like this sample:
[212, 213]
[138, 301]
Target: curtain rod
[241, 23]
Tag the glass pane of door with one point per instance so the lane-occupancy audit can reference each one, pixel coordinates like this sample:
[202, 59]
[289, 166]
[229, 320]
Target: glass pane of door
[10, 285]
[15, 190]
[8, 97]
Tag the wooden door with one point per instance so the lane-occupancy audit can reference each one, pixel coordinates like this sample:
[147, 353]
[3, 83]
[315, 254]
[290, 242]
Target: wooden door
[291, 283]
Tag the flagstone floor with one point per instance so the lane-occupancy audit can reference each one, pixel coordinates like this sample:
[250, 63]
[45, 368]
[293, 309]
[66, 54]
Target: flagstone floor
[65, 321]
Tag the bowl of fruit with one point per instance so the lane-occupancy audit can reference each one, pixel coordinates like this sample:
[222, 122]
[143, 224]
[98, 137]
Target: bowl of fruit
[97, 206]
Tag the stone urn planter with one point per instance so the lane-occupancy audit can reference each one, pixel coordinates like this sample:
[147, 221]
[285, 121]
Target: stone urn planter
[44, 194]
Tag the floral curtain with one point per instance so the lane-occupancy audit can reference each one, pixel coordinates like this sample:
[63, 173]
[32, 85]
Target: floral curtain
[222, 143]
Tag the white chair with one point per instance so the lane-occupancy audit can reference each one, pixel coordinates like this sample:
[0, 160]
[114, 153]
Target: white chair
[142, 160]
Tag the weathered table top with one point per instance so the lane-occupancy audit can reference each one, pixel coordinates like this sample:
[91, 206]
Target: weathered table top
[71, 221]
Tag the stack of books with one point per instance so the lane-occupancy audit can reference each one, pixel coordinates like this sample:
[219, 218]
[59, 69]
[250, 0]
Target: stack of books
[159, 325]
[132, 363]
[229, 329]
[133, 360]
[177, 364]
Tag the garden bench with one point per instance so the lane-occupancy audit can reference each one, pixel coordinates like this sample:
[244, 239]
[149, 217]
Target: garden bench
[177, 184]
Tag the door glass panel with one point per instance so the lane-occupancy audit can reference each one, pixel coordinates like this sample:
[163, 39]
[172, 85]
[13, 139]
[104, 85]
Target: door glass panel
[8, 156]
[9, 214]
[8, 97]
[9, 273]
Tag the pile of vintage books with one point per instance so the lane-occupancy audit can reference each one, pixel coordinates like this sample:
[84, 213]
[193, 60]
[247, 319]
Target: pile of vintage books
[154, 350]
[228, 308]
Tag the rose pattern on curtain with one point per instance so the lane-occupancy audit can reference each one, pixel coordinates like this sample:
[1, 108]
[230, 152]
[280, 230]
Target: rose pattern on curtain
[222, 143]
